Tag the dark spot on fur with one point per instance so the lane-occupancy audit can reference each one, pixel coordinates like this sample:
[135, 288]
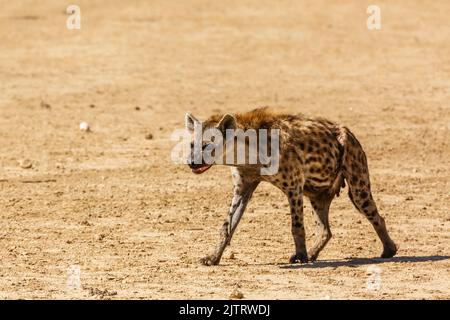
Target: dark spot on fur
[366, 204]
[310, 159]
[351, 198]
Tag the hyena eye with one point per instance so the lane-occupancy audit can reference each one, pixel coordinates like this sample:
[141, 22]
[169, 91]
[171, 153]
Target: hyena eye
[205, 144]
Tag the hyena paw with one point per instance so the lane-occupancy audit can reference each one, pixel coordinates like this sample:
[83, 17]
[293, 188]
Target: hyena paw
[312, 255]
[389, 251]
[299, 257]
[209, 260]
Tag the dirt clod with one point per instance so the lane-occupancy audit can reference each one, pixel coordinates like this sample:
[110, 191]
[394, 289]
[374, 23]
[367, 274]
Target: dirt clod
[149, 136]
[25, 164]
[236, 294]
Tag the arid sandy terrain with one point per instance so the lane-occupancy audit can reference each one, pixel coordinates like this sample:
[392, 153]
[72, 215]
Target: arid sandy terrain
[111, 205]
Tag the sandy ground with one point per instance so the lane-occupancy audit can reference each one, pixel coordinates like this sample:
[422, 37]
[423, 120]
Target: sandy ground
[112, 206]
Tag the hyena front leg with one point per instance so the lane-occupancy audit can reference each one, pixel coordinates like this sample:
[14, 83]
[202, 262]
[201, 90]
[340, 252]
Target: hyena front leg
[243, 190]
[295, 196]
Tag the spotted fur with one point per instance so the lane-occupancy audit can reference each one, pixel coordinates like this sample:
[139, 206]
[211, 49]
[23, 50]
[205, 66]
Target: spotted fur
[317, 157]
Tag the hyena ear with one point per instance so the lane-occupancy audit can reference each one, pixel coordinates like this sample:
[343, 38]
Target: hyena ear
[228, 121]
[190, 121]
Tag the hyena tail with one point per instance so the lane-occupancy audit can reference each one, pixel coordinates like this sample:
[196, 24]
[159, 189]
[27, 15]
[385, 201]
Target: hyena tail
[341, 134]
[348, 144]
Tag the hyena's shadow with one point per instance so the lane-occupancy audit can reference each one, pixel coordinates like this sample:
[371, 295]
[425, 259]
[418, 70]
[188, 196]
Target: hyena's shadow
[353, 262]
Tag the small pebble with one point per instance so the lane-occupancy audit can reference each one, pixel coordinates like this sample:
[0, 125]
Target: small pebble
[236, 294]
[99, 237]
[25, 164]
[45, 105]
[84, 126]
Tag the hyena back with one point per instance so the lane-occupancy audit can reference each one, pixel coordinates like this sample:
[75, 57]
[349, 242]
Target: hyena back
[316, 158]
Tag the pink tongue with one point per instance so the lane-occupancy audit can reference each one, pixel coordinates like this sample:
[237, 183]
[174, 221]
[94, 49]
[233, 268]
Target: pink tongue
[202, 169]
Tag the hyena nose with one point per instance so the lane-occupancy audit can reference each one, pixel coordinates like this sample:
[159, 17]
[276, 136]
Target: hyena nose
[192, 158]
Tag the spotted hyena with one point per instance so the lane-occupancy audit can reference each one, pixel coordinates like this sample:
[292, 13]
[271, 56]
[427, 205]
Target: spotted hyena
[316, 158]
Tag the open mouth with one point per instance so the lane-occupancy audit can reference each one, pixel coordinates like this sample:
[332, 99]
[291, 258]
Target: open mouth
[201, 169]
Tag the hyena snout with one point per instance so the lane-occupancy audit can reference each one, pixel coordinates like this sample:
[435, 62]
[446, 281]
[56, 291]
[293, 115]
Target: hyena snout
[196, 160]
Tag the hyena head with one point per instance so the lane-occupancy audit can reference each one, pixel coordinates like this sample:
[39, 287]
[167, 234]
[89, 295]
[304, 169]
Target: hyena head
[209, 143]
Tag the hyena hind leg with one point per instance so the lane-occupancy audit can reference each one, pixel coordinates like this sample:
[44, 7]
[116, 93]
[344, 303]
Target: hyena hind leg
[364, 203]
[361, 196]
[321, 207]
